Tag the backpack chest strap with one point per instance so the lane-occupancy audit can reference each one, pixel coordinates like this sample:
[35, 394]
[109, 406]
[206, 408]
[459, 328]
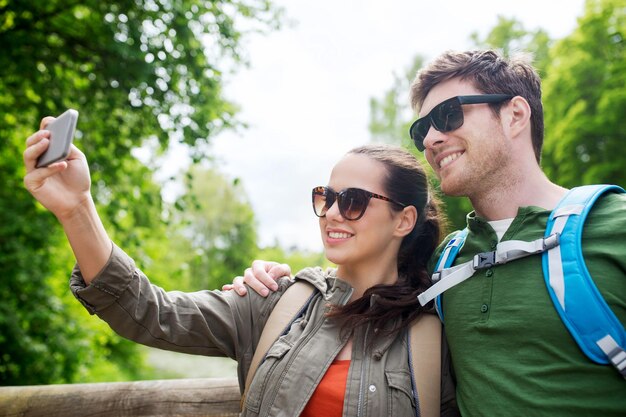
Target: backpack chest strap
[505, 252]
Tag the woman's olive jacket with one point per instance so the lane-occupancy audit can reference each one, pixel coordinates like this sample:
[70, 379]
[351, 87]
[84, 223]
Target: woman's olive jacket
[216, 323]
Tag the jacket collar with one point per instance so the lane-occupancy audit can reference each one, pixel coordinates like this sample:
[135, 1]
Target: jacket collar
[326, 282]
[334, 289]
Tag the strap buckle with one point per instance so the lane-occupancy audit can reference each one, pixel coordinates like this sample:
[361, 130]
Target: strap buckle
[551, 241]
[484, 260]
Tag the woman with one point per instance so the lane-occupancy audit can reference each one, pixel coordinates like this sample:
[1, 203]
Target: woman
[379, 225]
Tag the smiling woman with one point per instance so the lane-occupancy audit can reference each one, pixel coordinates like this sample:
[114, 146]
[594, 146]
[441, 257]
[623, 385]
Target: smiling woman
[380, 245]
[380, 239]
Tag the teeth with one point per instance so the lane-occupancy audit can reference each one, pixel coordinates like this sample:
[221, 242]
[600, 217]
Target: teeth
[338, 235]
[445, 161]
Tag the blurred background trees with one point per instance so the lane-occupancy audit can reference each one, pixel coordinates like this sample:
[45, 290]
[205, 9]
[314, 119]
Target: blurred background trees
[585, 94]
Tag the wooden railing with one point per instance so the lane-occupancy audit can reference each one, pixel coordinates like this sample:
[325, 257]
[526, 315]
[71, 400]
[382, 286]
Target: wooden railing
[208, 397]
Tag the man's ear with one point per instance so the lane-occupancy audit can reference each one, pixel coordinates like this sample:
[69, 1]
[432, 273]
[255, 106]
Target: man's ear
[519, 118]
[406, 221]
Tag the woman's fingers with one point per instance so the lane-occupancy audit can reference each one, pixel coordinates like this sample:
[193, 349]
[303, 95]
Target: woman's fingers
[44, 122]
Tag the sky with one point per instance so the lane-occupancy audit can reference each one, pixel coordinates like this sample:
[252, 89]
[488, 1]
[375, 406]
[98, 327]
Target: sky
[306, 92]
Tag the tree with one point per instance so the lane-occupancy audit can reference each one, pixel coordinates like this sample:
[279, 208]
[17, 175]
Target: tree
[215, 230]
[585, 99]
[510, 37]
[134, 70]
[390, 117]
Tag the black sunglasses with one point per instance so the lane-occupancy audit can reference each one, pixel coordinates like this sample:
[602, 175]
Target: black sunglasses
[352, 202]
[448, 115]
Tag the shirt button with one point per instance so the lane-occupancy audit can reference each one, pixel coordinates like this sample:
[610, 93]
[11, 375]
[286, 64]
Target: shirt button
[484, 308]
[489, 272]
[372, 388]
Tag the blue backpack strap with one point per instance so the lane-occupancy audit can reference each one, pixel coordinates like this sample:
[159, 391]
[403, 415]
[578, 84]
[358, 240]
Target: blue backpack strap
[576, 298]
[446, 259]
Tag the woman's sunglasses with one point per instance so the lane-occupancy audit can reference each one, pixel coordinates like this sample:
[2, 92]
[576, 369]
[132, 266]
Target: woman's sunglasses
[352, 202]
[448, 115]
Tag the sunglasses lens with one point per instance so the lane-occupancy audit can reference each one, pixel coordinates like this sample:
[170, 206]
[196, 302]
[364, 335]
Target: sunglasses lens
[352, 203]
[419, 130]
[447, 116]
[323, 198]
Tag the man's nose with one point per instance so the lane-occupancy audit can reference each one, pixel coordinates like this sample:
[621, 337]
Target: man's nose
[434, 138]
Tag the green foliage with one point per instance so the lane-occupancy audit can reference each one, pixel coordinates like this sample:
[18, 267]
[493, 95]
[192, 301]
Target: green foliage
[35, 339]
[390, 117]
[214, 232]
[585, 100]
[134, 70]
[510, 37]
[98, 355]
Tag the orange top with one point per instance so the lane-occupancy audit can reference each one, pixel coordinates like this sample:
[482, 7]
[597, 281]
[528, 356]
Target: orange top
[327, 400]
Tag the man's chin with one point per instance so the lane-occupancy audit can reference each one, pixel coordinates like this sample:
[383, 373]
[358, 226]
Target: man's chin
[452, 189]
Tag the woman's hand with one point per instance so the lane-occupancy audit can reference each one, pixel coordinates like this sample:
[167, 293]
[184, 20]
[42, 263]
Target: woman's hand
[64, 189]
[61, 187]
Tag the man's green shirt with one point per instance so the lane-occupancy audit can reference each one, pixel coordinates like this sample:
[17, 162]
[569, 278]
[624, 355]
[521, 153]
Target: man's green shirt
[511, 352]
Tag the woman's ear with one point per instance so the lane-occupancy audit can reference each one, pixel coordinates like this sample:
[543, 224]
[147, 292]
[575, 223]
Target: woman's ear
[406, 221]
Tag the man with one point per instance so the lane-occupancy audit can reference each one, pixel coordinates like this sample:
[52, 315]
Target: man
[511, 352]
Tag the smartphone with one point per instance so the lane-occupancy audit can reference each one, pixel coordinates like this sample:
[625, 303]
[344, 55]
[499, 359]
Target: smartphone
[62, 131]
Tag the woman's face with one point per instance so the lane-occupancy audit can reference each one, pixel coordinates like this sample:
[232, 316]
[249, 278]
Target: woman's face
[366, 240]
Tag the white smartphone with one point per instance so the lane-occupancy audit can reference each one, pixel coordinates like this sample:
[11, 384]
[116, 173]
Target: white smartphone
[62, 131]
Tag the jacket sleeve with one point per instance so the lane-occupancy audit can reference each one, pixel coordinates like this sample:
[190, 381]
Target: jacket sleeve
[211, 323]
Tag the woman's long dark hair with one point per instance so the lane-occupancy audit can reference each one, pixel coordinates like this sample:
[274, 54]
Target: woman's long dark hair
[382, 305]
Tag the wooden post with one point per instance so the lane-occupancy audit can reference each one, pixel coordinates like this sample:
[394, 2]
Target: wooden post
[208, 397]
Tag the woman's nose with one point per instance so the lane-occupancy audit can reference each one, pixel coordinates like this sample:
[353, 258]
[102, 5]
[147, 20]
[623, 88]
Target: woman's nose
[333, 211]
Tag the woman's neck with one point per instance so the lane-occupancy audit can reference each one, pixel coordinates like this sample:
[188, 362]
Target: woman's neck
[363, 277]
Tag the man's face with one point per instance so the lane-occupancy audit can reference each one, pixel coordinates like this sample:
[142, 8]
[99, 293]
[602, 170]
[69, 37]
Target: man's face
[471, 157]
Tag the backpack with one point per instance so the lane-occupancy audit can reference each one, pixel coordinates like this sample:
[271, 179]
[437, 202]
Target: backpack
[580, 305]
[424, 346]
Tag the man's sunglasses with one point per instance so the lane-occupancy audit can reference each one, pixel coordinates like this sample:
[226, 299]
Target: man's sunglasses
[352, 202]
[448, 115]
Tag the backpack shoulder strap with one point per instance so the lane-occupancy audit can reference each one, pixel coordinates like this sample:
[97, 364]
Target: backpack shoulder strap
[425, 363]
[446, 259]
[287, 309]
[576, 298]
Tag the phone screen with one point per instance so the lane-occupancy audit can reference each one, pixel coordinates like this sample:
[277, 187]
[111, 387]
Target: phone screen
[61, 135]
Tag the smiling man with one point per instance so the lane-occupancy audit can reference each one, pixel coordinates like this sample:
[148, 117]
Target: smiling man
[481, 128]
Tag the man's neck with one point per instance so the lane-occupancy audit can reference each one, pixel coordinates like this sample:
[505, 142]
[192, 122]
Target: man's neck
[503, 201]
